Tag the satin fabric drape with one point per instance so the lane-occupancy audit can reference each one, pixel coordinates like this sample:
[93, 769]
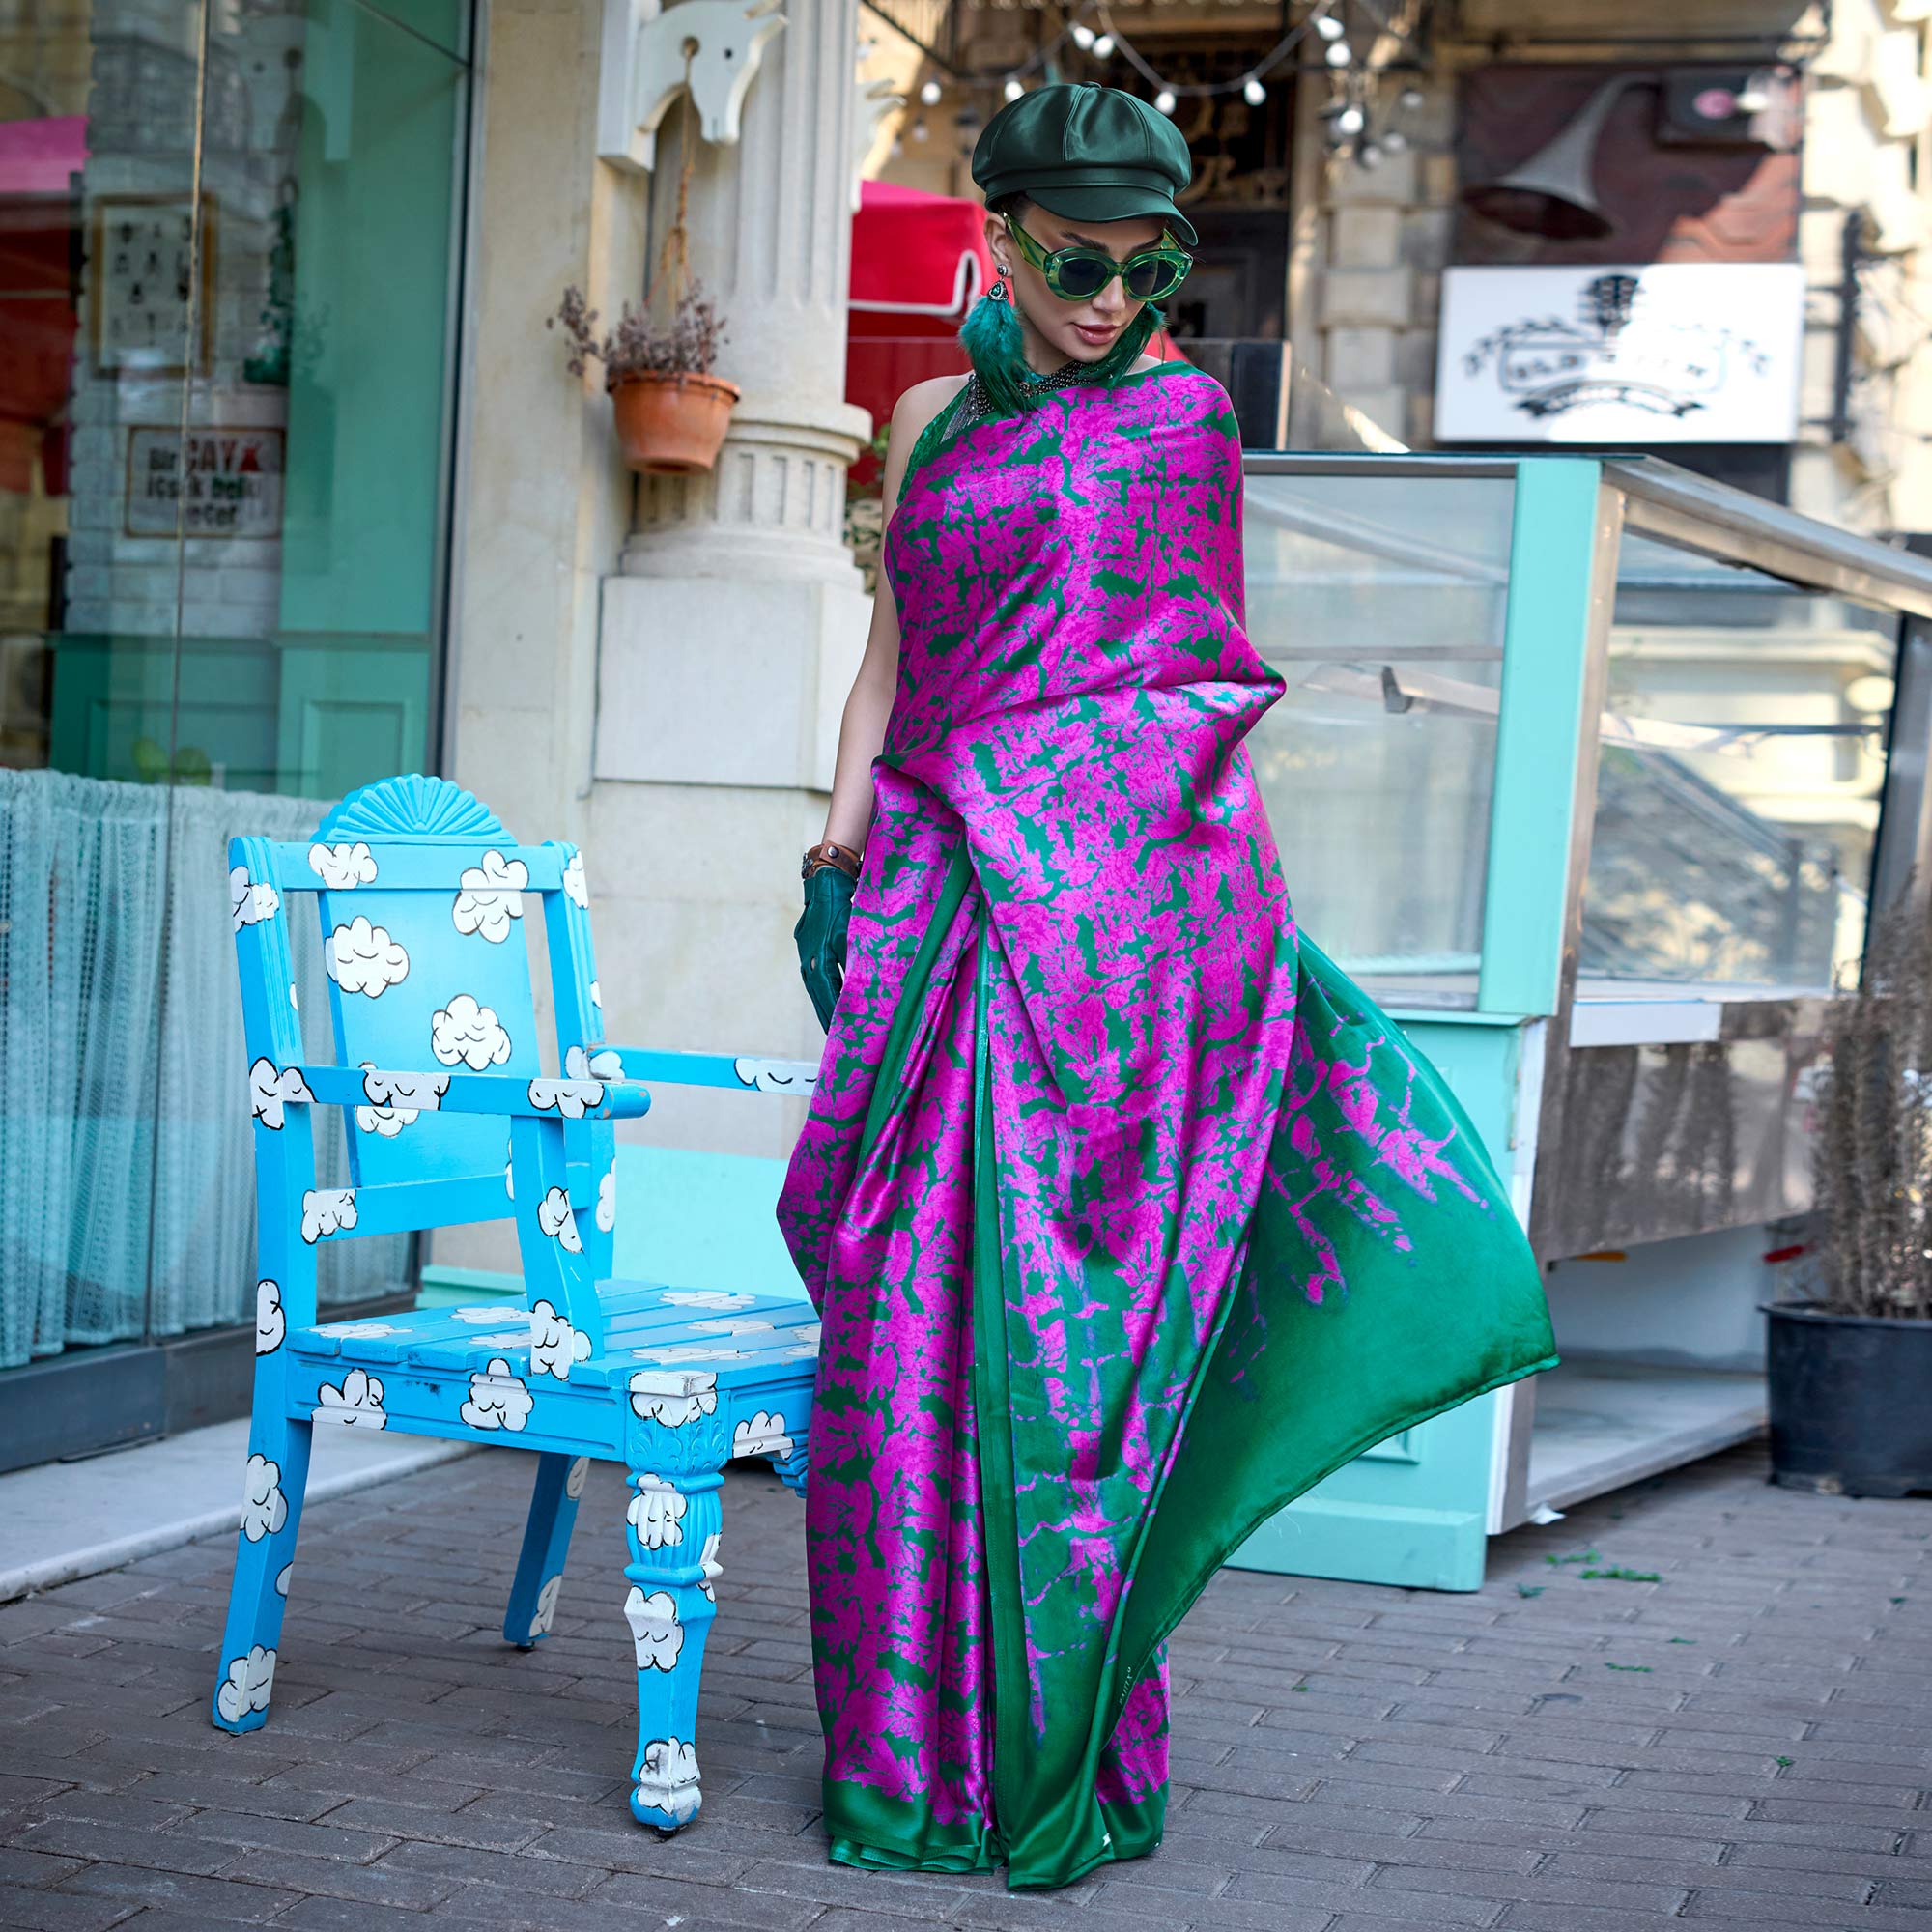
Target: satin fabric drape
[1107, 1167]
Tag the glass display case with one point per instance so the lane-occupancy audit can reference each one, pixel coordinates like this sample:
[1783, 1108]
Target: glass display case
[1380, 601]
[1594, 773]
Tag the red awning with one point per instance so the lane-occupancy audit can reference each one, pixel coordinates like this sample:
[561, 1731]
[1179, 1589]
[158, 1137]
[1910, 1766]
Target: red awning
[918, 263]
[42, 156]
[38, 210]
[917, 255]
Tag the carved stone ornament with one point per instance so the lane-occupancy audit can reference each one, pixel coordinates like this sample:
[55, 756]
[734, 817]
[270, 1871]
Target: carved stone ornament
[645, 51]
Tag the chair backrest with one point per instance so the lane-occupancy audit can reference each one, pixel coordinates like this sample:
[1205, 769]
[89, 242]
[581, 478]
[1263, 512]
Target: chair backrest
[420, 896]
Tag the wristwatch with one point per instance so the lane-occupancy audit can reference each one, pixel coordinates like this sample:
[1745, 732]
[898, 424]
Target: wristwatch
[841, 857]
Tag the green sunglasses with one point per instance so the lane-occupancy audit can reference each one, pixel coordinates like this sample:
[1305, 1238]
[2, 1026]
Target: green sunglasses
[1079, 274]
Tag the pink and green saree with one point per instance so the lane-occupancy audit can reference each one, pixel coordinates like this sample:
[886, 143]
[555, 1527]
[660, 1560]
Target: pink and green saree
[1129, 1216]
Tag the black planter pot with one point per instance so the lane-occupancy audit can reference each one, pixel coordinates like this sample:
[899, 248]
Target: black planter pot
[1850, 1403]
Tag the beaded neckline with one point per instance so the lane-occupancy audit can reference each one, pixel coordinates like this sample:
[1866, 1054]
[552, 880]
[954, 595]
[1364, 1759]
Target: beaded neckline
[974, 405]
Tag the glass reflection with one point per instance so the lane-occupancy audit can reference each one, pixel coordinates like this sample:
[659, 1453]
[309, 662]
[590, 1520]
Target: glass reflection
[226, 255]
[1742, 760]
[1380, 600]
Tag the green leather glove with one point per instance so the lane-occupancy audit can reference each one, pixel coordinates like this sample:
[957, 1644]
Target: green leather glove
[820, 933]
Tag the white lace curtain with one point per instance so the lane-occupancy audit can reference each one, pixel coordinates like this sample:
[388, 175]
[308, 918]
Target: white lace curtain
[126, 1178]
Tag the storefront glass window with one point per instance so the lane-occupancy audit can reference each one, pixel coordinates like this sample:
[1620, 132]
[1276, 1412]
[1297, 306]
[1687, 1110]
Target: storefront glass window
[227, 253]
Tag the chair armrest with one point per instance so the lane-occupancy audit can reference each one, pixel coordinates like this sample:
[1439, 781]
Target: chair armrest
[740, 1073]
[504, 1094]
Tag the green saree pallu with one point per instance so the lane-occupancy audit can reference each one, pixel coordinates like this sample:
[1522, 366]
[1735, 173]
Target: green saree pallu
[1128, 1214]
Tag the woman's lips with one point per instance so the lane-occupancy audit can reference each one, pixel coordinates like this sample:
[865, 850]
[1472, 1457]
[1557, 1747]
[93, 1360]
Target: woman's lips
[1095, 336]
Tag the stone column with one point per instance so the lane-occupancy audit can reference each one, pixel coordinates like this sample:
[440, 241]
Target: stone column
[738, 599]
[729, 639]
[771, 238]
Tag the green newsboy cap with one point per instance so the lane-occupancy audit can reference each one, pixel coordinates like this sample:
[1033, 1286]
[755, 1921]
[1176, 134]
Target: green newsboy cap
[1086, 153]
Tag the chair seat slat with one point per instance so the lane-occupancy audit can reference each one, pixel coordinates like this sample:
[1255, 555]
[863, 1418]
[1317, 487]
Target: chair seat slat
[650, 1333]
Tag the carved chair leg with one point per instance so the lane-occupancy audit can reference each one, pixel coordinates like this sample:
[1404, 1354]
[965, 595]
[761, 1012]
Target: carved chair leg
[546, 1544]
[674, 1527]
[277, 1475]
[792, 1470]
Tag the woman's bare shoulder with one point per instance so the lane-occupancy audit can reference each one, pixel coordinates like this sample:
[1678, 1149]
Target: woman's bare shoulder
[921, 403]
[910, 414]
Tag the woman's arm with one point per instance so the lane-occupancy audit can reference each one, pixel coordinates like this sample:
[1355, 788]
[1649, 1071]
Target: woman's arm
[862, 729]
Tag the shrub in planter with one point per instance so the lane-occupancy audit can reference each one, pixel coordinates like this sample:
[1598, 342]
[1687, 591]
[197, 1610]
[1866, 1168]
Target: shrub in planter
[672, 411]
[1851, 1368]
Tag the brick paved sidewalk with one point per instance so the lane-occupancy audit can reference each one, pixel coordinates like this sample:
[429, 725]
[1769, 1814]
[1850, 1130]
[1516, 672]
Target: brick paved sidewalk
[1743, 1738]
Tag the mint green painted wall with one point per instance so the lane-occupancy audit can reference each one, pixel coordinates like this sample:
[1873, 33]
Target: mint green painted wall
[367, 444]
[689, 1219]
[341, 693]
[112, 693]
[373, 240]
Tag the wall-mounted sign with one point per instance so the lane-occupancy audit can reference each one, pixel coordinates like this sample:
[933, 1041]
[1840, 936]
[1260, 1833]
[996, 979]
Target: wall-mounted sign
[219, 483]
[1672, 352]
[142, 293]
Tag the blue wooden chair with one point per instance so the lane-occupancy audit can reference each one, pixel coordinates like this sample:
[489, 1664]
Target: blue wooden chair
[421, 895]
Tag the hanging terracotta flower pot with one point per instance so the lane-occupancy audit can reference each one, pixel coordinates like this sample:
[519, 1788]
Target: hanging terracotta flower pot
[670, 425]
[672, 411]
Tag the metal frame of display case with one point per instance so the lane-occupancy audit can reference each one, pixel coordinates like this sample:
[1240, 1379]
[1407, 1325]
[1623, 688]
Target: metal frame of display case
[1530, 1055]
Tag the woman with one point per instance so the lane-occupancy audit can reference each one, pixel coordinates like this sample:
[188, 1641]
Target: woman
[1128, 1216]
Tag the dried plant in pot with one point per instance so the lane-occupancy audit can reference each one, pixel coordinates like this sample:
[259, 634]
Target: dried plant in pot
[1851, 1365]
[672, 411]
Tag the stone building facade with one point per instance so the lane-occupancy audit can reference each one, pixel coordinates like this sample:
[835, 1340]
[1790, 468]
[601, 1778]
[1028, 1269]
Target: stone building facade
[656, 670]
[1365, 246]
[1370, 282]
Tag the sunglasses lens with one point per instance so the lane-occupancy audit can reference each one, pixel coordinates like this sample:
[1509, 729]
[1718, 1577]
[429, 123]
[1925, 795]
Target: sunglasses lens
[1079, 277]
[1151, 278]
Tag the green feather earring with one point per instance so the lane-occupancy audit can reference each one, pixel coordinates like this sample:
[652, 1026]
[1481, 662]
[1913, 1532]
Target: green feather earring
[991, 338]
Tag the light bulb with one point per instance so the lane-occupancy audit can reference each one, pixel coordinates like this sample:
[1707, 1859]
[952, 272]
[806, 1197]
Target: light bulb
[1349, 121]
[1012, 89]
[1368, 154]
[1338, 54]
[1255, 93]
[919, 132]
[1103, 46]
[930, 93]
[1410, 98]
[1164, 100]
[1328, 27]
[1395, 141]
[1083, 36]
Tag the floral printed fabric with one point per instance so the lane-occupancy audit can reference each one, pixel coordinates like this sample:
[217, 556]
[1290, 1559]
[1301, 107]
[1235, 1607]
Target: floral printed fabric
[1096, 1139]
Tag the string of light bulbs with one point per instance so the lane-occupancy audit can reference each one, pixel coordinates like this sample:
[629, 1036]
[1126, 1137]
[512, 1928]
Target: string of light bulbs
[1346, 117]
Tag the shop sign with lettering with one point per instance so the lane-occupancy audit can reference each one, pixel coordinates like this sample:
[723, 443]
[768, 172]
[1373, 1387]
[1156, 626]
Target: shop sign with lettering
[212, 483]
[1658, 352]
